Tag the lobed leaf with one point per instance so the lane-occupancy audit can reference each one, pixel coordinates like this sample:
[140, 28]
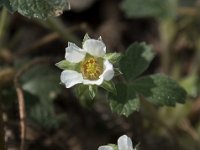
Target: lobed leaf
[41, 9]
[136, 60]
[42, 81]
[125, 102]
[160, 90]
[41, 86]
[44, 115]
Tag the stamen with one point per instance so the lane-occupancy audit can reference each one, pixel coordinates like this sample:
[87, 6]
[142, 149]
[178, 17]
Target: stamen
[92, 68]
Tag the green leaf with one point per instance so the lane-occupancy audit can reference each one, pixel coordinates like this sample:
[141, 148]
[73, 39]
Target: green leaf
[42, 85]
[136, 60]
[149, 8]
[113, 57]
[86, 91]
[160, 90]
[64, 64]
[81, 89]
[109, 86]
[44, 116]
[41, 114]
[41, 9]
[125, 102]
[43, 82]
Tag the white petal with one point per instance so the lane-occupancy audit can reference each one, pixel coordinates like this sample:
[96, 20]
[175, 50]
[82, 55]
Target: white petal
[93, 82]
[94, 47]
[70, 78]
[124, 143]
[108, 72]
[74, 54]
[105, 148]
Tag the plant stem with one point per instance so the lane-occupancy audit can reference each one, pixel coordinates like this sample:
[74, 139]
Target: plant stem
[57, 25]
[167, 32]
[3, 19]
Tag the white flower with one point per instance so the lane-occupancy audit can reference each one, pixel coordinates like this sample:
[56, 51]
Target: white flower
[123, 143]
[92, 69]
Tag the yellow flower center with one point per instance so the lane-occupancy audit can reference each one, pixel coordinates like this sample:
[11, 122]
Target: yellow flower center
[92, 68]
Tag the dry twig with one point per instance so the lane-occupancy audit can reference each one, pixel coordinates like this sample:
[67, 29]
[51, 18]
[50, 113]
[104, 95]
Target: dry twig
[20, 95]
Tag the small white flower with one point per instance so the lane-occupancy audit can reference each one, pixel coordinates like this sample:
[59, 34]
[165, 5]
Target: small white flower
[92, 69]
[123, 143]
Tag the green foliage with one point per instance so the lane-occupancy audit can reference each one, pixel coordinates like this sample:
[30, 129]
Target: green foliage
[136, 60]
[149, 8]
[41, 86]
[44, 116]
[41, 9]
[86, 91]
[160, 90]
[125, 102]
[124, 98]
[109, 86]
[42, 81]
[157, 89]
[41, 112]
